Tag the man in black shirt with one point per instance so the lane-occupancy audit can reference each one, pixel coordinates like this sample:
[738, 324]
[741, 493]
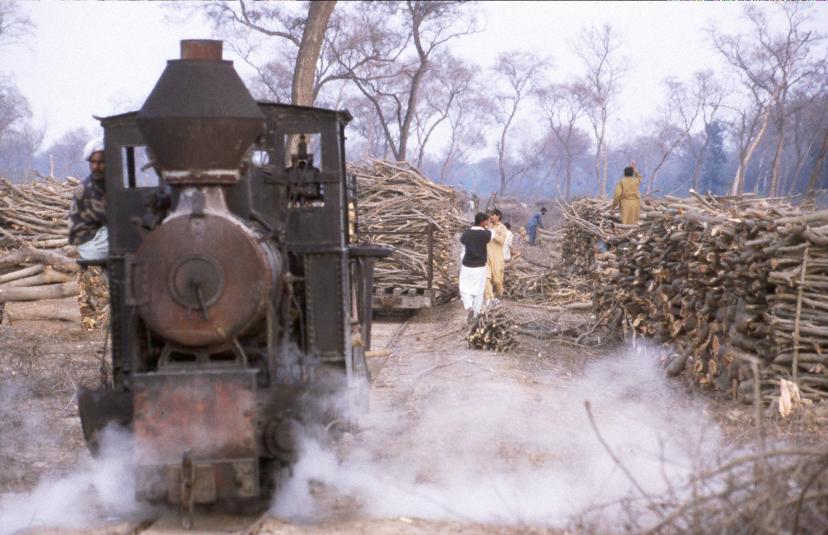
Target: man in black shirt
[473, 265]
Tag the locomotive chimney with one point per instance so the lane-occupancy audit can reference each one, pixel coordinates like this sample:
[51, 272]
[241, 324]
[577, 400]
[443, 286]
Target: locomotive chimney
[200, 119]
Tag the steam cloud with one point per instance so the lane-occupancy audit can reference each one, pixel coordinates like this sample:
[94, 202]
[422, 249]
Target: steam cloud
[499, 446]
[100, 489]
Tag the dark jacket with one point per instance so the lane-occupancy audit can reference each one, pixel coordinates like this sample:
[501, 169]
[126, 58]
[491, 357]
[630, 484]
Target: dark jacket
[475, 240]
[88, 212]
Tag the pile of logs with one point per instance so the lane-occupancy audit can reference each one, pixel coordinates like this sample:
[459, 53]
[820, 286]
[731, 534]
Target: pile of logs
[35, 214]
[397, 206]
[34, 257]
[798, 307]
[721, 281]
[493, 330]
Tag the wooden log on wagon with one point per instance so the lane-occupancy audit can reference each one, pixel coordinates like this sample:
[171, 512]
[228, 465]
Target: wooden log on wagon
[35, 293]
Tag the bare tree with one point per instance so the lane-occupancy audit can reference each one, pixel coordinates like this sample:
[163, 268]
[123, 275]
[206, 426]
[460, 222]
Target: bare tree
[313, 35]
[63, 157]
[388, 49]
[808, 117]
[819, 162]
[444, 86]
[468, 121]
[14, 108]
[666, 138]
[17, 151]
[370, 141]
[598, 49]
[14, 24]
[748, 126]
[697, 105]
[519, 72]
[294, 38]
[774, 63]
[564, 105]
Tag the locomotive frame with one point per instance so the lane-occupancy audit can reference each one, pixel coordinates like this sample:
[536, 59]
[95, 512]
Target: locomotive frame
[213, 421]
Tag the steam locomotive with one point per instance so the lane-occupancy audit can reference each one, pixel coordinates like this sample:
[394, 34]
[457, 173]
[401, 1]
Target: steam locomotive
[238, 295]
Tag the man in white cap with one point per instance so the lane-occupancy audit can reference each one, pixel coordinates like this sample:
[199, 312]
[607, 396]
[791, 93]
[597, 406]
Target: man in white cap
[87, 217]
[87, 231]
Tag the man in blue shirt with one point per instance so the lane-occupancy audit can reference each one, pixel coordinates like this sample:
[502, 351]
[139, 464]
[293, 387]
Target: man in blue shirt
[532, 226]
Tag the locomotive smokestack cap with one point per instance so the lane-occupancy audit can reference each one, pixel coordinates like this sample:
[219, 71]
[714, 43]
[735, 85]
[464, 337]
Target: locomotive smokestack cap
[200, 119]
[206, 49]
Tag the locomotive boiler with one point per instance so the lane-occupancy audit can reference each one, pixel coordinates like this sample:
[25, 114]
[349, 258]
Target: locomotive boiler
[238, 297]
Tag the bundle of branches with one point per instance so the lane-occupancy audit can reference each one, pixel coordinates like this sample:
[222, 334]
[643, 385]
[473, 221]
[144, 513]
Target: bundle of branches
[565, 324]
[773, 492]
[34, 264]
[762, 490]
[494, 330]
[396, 207]
[529, 281]
[697, 276]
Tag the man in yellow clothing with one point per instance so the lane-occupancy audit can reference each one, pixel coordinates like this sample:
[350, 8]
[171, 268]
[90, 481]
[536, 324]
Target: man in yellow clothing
[627, 196]
[495, 262]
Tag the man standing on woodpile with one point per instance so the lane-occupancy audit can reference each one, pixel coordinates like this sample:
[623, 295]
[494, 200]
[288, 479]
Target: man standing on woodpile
[473, 265]
[535, 222]
[494, 279]
[88, 232]
[627, 196]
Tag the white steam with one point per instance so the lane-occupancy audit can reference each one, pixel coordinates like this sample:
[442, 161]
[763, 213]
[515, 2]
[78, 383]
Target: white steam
[101, 489]
[486, 443]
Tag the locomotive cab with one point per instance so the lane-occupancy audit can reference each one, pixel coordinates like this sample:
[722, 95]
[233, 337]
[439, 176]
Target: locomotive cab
[238, 296]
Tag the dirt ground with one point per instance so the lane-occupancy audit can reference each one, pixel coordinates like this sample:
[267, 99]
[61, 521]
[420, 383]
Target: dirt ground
[446, 426]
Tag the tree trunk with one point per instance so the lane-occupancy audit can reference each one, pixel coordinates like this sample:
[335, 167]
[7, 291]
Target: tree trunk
[304, 74]
[700, 162]
[777, 162]
[816, 172]
[744, 159]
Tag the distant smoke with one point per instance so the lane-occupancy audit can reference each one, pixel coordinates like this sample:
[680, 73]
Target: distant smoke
[99, 490]
[501, 446]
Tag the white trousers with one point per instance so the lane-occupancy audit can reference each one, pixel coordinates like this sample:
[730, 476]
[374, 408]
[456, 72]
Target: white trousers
[472, 286]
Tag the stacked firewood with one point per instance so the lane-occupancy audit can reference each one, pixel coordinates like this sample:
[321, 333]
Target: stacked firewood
[587, 222]
[396, 206]
[494, 330]
[35, 261]
[35, 213]
[797, 307]
[721, 281]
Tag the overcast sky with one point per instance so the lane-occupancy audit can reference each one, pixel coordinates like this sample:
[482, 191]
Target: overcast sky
[99, 58]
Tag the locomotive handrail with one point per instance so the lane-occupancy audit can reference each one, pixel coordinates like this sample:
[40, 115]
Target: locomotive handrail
[376, 251]
[92, 262]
